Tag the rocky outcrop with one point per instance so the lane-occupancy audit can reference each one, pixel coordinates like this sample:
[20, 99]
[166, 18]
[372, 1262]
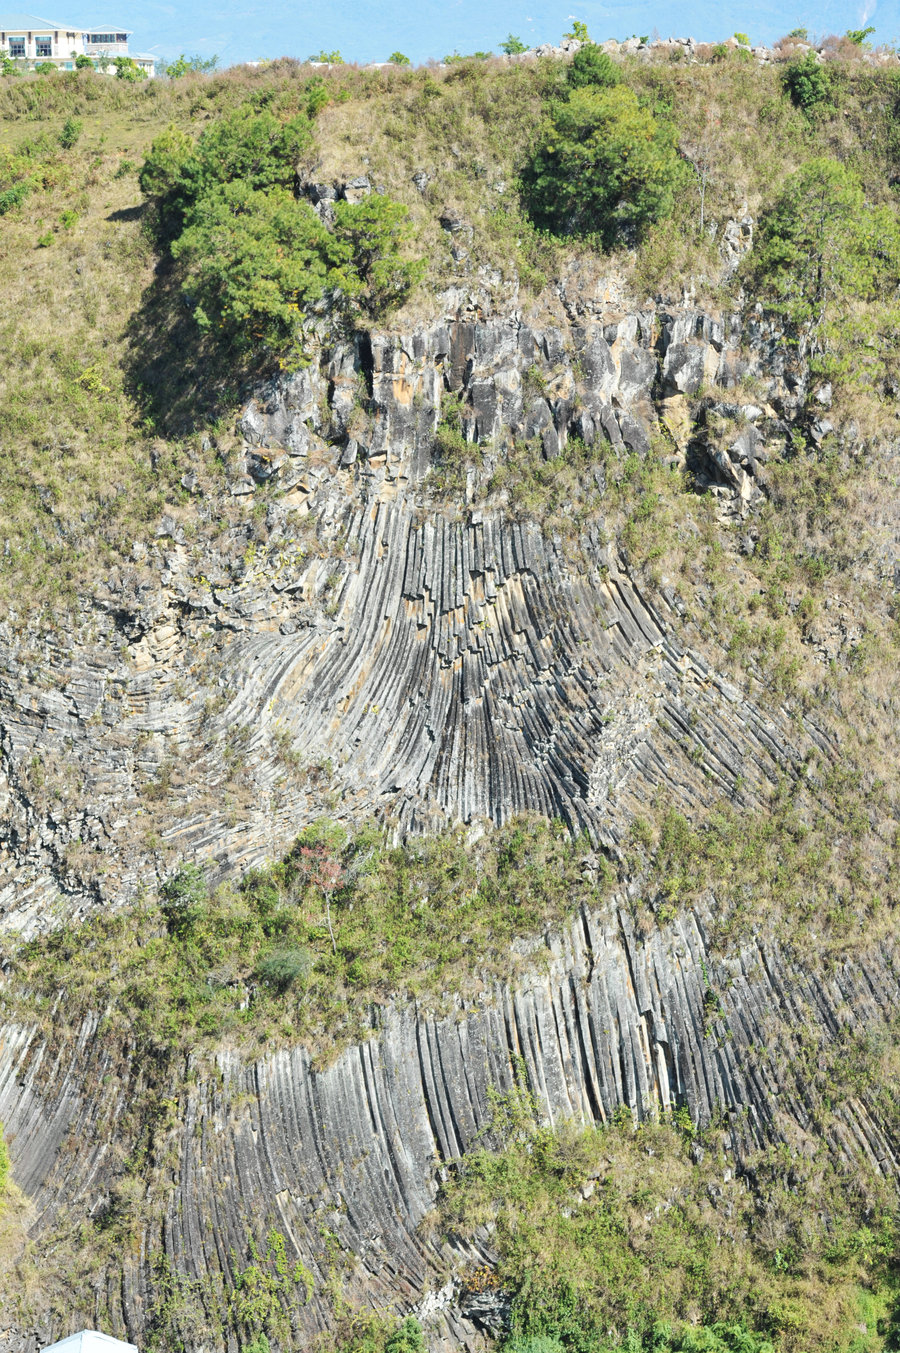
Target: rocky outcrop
[345, 1161]
[330, 628]
[363, 645]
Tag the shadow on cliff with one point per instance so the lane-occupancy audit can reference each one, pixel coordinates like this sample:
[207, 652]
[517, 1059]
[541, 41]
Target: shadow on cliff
[182, 380]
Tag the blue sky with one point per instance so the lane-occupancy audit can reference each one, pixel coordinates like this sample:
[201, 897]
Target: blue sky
[369, 30]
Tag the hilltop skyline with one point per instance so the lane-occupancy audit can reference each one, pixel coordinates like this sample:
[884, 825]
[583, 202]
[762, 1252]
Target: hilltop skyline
[249, 31]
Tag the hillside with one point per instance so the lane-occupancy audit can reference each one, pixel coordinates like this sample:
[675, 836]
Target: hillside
[448, 704]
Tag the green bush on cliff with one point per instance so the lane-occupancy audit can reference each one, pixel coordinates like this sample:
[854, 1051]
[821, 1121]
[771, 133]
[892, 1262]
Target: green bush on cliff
[820, 241]
[4, 1163]
[406, 1338]
[808, 82]
[592, 68]
[307, 945]
[257, 265]
[605, 166]
[365, 1332]
[829, 260]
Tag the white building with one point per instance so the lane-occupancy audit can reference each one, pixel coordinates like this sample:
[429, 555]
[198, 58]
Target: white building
[90, 1341]
[31, 41]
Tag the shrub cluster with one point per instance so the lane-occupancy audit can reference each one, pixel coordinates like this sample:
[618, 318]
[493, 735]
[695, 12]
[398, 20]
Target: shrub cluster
[646, 1242]
[35, 164]
[808, 82]
[257, 264]
[605, 166]
[829, 261]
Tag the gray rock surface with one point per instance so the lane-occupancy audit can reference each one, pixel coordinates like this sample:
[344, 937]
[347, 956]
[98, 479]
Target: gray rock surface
[372, 647]
[355, 1151]
[366, 645]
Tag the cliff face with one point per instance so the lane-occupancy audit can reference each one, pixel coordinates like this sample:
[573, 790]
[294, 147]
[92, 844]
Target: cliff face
[364, 643]
[345, 1161]
[360, 643]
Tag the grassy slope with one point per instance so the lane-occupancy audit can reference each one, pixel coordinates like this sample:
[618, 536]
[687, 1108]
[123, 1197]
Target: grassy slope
[79, 417]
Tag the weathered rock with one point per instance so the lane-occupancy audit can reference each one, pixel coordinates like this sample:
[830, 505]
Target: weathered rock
[463, 668]
[614, 1018]
[449, 663]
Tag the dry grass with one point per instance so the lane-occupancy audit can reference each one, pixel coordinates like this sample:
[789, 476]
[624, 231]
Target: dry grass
[600, 1232]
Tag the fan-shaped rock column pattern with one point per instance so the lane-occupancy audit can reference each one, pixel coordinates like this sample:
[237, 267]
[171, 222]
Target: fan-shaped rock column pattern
[442, 660]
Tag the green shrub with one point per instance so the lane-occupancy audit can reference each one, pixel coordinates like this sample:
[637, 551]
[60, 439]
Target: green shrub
[253, 263]
[821, 241]
[365, 1332]
[13, 197]
[605, 166]
[513, 46]
[808, 82]
[257, 263]
[406, 1338]
[284, 968]
[828, 260]
[160, 176]
[45, 240]
[398, 59]
[70, 132]
[365, 254]
[45, 68]
[591, 67]
[184, 899]
[4, 1163]
[128, 69]
[83, 62]
[251, 145]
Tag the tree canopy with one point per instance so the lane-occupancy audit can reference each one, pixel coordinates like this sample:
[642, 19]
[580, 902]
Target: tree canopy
[821, 242]
[257, 263]
[605, 166]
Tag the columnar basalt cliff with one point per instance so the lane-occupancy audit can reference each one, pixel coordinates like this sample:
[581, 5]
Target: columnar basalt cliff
[373, 644]
[440, 660]
[354, 1152]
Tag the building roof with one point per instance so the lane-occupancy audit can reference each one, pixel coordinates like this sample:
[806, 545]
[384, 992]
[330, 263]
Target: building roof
[90, 1341]
[105, 27]
[12, 23]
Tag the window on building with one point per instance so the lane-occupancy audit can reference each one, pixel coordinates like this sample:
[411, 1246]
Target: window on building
[121, 37]
[43, 46]
[102, 39]
[16, 47]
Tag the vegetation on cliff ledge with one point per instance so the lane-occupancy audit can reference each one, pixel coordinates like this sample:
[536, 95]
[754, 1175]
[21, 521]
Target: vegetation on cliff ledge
[658, 1241]
[300, 952]
[112, 370]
